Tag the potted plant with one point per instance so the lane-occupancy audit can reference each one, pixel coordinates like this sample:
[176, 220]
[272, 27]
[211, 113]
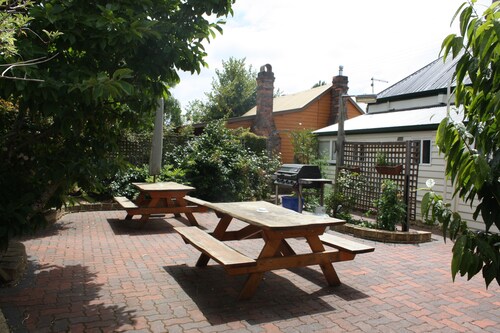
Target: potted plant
[384, 167]
[351, 168]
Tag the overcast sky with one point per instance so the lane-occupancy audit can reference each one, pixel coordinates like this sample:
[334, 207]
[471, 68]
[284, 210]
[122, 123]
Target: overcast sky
[306, 41]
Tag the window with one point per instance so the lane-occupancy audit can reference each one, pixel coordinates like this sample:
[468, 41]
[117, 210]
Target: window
[327, 149]
[425, 152]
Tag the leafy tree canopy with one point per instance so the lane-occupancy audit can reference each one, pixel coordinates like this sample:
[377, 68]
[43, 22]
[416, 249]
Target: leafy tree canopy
[472, 147]
[13, 17]
[234, 91]
[106, 65]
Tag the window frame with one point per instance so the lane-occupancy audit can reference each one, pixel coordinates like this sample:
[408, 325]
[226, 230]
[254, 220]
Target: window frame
[421, 157]
[332, 151]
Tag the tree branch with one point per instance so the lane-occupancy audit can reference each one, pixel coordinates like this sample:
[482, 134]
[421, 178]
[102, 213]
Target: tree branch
[31, 62]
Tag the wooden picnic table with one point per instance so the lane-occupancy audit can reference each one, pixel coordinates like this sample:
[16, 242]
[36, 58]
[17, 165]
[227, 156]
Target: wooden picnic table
[160, 198]
[275, 225]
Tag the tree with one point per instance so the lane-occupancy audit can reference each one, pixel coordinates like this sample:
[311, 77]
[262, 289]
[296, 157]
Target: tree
[234, 91]
[319, 84]
[173, 112]
[13, 17]
[109, 64]
[472, 147]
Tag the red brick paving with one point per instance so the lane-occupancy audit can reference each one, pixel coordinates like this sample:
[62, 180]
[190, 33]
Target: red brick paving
[91, 272]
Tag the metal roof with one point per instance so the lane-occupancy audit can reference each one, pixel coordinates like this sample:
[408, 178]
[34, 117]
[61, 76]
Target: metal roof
[420, 119]
[435, 76]
[293, 101]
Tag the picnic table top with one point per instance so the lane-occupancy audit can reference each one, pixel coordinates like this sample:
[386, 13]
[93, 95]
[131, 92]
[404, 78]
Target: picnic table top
[162, 186]
[267, 215]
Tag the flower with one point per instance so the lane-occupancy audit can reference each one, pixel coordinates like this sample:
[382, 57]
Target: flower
[430, 183]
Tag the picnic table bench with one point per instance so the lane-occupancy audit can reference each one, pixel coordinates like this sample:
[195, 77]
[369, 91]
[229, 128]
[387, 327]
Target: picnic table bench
[275, 225]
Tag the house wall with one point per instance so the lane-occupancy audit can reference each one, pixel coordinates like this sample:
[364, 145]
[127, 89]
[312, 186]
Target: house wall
[435, 170]
[315, 115]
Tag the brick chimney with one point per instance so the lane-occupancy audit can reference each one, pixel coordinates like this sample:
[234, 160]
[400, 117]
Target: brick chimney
[263, 124]
[339, 88]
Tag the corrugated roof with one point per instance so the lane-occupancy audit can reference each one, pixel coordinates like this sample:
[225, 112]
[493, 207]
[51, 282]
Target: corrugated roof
[434, 76]
[293, 101]
[390, 121]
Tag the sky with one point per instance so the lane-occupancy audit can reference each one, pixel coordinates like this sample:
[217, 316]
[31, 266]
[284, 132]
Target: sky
[306, 41]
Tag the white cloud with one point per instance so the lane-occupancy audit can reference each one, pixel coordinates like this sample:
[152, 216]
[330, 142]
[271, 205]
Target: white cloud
[306, 41]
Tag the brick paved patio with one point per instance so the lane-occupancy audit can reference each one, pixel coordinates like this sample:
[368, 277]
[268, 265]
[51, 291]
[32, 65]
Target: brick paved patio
[91, 272]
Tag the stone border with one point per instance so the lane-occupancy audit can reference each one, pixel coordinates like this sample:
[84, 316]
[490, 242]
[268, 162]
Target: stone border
[53, 215]
[410, 237]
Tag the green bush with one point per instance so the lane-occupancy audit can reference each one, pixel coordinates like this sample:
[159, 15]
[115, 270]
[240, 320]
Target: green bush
[121, 184]
[339, 203]
[221, 169]
[252, 141]
[391, 209]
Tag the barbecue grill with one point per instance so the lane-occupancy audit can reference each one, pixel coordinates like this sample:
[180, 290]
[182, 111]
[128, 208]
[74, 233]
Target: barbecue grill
[299, 176]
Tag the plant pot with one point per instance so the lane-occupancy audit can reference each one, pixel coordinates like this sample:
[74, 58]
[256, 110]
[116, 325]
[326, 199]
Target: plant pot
[356, 169]
[389, 169]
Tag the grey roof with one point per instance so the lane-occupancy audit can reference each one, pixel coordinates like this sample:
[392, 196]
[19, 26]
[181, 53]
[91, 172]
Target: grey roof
[421, 119]
[435, 76]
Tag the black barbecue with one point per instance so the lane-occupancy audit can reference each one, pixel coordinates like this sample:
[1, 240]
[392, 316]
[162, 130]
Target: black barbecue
[289, 174]
[299, 176]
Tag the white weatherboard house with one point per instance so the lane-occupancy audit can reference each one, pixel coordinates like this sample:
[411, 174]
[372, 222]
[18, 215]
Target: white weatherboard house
[409, 110]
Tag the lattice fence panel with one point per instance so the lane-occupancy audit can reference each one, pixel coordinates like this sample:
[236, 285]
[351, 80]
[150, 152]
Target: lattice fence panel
[136, 149]
[362, 157]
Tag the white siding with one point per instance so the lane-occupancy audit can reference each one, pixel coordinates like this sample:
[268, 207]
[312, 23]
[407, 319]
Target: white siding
[434, 170]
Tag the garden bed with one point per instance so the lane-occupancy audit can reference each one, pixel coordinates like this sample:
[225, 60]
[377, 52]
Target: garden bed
[407, 237]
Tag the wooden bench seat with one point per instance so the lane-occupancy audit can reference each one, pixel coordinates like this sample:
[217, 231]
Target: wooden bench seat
[214, 248]
[345, 244]
[125, 202]
[196, 201]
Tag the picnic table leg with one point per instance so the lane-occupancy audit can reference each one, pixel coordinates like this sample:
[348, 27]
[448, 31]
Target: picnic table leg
[218, 233]
[183, 203]
[173, 202]
[330, 274]
[271, 248]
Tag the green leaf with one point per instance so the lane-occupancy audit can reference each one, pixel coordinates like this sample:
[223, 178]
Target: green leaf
[425, 205]
[458, 250]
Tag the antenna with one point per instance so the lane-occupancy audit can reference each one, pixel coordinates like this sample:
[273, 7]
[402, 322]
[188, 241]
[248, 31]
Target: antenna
[373, 83]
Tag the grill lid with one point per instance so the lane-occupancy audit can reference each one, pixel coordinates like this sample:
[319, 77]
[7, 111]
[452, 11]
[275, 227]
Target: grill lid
[290, 174]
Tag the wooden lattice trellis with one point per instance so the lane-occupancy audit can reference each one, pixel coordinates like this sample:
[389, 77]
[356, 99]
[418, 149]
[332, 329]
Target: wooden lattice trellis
[363, 155]
[136, 149]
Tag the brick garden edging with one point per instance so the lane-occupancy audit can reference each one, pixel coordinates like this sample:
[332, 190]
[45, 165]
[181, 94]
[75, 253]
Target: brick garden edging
[410, 237]
[55, 214]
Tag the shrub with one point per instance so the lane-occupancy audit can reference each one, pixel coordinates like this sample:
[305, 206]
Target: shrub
[221, 169]
[339, 202]
[391, 209]
[305, 146]
[121, 183]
